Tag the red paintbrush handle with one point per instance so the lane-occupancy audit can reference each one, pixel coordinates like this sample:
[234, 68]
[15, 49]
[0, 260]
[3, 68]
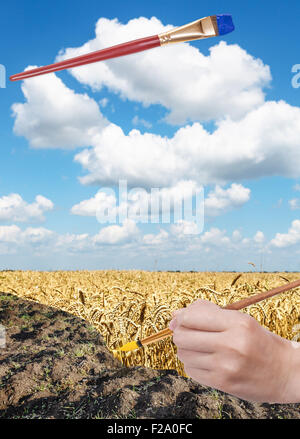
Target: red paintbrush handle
[100, 55]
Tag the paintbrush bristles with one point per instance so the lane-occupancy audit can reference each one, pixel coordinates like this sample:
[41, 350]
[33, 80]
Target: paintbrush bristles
[131, 346]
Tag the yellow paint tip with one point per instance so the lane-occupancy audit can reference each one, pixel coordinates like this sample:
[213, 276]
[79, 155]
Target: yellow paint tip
[129, 346]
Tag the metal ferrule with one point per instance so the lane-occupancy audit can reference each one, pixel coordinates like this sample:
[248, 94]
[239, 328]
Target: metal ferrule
[204, 28]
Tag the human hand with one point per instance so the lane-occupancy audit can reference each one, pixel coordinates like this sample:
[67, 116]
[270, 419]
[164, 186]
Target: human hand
[230, 351]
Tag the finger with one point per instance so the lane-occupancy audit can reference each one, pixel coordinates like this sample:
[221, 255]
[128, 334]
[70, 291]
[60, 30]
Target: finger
[200, 341]
[200, 360]
[206, 316]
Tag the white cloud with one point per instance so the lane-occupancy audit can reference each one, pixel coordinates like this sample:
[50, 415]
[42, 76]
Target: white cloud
[10, 234]
[158, 239]
[14, 208]
[222, 200]
[265, 143]
[294, 203]
[215, 248]
[117, 234]
[179, 77]
[36, 235]
[236, 236]
[103, 102]
[72, 243]
[54, 116]
[138, 121]
[31, 235]
[139, 203]
[297, 187]
[215, 237]
[90, 207]
[288, 239]
[183, 228]
[39, 236]
[259, 237]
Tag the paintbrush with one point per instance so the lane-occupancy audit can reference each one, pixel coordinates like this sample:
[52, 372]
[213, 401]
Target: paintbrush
[233, 306]
[207, 27]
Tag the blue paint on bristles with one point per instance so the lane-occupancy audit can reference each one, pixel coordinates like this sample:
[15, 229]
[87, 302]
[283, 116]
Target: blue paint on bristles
[225, 24]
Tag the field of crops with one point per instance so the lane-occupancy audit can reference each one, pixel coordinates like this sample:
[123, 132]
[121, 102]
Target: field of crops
[130, 305]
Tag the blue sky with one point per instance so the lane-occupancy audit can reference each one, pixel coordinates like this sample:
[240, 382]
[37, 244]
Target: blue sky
[251, 215]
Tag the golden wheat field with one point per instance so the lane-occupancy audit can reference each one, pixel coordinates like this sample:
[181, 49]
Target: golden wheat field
[130, 305]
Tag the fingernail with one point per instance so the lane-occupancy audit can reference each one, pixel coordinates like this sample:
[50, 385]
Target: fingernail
[173, 324]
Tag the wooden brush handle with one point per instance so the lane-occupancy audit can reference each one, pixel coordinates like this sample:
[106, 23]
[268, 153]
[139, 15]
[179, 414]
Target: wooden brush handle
[100, 55]
[262, 296]
[157, 336]
[235, 306]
